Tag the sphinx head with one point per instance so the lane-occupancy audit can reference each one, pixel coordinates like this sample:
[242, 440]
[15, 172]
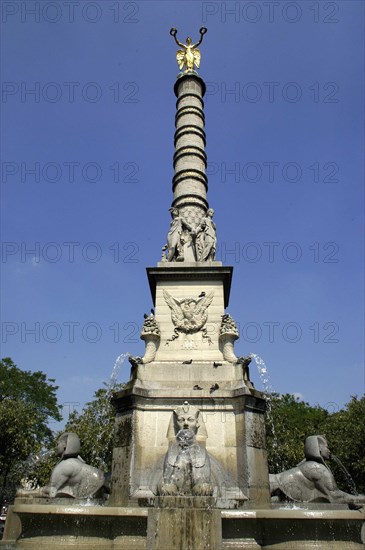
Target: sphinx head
[68, 445]
[316, 448]
[187, 417]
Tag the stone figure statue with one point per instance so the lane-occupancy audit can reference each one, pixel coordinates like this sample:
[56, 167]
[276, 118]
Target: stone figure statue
[186, 469]
[189, 55]
[206, 238]
[72, 477]
[175, 240]
[311, 480]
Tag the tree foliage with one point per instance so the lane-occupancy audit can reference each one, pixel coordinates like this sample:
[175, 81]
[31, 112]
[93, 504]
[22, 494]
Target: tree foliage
[95, 428]
[27, 401]
[289, 421]
[345, 431]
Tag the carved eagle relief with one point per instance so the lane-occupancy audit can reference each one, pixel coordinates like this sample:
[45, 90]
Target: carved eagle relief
[188, 315]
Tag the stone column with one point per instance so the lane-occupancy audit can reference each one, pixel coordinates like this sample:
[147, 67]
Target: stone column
[190, 183]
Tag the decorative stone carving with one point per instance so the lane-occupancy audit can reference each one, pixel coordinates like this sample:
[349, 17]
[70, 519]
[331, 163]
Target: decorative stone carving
[200, 236]
[189, 315]
[72, 477]
[187, 417]
[193, 214]
[180, 230]
[206, 238]
[311, 480]
[151, 335]
[186, 468]
[228, 334]
[228, 325]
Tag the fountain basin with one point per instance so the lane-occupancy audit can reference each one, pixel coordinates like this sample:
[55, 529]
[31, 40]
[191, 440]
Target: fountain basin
[317, 527]
[70, 525]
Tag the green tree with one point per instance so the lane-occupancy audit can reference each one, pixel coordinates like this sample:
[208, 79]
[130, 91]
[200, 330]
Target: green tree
[288, 422]
[27, 401]
[95, 428]
[345, 432]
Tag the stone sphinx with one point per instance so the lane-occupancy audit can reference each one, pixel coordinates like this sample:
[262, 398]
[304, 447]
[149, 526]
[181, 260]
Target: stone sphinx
[71, 477]
[311, 480]
[186, 469]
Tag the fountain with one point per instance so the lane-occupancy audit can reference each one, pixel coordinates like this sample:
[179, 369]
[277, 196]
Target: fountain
[190, 460]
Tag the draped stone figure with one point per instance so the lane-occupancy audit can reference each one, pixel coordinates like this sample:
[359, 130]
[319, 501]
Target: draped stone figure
[206, 238]
[175, 244]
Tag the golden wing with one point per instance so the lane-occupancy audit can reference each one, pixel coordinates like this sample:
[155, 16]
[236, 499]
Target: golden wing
[177, 314]
[180, 58]
[197, 56]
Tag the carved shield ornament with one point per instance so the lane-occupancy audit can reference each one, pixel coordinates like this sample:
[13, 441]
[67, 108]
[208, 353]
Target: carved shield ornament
[189, 315]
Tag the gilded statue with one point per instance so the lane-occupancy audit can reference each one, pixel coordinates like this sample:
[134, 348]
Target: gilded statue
[189, 55]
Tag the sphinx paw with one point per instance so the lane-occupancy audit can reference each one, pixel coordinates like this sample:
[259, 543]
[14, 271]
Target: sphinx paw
[169, 489]
[203, 489]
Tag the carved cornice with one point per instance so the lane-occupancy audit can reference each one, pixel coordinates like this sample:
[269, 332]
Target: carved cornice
[197, 272]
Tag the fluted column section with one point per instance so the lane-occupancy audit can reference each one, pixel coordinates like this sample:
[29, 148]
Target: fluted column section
[190, 183]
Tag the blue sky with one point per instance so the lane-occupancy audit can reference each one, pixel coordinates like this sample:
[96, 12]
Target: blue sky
[86, 182]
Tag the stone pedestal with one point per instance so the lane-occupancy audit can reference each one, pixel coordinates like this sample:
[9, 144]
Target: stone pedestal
[190, 368]
[180, 524]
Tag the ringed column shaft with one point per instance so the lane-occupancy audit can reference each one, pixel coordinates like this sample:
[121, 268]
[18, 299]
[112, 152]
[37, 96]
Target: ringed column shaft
[190, 183]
